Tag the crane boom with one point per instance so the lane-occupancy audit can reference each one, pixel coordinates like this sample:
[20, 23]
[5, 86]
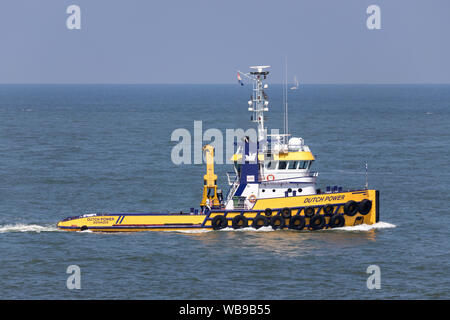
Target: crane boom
[210, 179]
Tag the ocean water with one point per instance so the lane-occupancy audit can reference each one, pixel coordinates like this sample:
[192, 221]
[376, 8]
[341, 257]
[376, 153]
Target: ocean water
[71, 149]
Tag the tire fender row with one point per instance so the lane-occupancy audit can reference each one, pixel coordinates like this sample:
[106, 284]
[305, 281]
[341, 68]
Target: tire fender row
[284, 217]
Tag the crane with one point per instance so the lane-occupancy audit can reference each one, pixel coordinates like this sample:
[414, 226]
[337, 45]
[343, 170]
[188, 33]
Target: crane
[209, 197]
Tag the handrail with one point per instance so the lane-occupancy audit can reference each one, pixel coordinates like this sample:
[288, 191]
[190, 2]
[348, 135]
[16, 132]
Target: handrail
[231, 190]
[308, 175]
[287, 171]
[231, 176]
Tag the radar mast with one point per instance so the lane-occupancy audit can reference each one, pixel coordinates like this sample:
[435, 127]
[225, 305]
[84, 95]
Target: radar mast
[258, 102]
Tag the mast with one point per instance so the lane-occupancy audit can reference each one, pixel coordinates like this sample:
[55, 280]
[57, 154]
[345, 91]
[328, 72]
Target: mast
[259, 100]
[286, 121]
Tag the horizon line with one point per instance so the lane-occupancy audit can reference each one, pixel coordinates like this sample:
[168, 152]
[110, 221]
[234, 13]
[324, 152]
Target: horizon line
[219, 83]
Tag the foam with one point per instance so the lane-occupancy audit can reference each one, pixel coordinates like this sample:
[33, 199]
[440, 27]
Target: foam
[228, 229]
[262, 229]
[20, 227]
[367, 227]
[190, 231]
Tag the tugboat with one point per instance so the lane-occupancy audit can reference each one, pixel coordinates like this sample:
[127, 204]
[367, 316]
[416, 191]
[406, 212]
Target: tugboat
[271, 186]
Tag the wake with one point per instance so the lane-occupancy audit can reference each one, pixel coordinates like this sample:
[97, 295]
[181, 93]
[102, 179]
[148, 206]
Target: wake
[367, 227]
[20, 227]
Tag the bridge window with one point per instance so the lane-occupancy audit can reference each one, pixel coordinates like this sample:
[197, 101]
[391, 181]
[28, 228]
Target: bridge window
[293, 164]
[282, 165]
[304, 164]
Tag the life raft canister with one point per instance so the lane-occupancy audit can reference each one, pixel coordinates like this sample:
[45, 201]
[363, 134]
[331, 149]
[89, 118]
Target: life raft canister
[309, 211]
[219, 222]
[351, 208]
[317, 222]
[252, 198]
[297, 223]
[239, 222]
[336, 221]
[277, 222]
[364, 206]
[259, 221]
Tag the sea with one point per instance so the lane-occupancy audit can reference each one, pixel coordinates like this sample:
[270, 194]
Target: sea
[67, 150]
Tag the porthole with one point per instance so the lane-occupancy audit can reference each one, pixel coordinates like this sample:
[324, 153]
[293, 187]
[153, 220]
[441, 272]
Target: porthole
[300, 190]
[263, 190]
[273, 190]
[289, 190]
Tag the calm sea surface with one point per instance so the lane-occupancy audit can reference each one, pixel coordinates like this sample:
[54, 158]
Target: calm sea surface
[69, 150]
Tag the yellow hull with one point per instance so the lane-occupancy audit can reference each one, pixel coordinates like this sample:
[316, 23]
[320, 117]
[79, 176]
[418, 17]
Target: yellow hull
[309, 208]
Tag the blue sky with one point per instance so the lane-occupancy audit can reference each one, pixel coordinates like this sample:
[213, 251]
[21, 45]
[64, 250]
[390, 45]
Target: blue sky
[197, 41]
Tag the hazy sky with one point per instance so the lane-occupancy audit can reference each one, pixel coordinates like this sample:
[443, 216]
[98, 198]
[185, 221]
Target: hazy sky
[206, 41]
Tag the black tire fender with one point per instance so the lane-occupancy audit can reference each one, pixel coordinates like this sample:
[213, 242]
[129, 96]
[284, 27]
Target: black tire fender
[219, 222]
[259, 221]
[239, 222]
[351, 208]
[286, 213]
[364, 206]
[328, 209]
[309, 212]
[297, 223]
[277, 222]
[337, 221]
[317, 222]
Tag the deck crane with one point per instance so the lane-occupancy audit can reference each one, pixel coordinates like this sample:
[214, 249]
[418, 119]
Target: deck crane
[210, 197]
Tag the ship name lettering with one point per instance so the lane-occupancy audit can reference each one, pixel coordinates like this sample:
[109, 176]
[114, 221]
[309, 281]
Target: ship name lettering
[324, 198]
[100, 220]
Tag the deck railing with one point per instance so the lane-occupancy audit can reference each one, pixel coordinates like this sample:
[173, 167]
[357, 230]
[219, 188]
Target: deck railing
[232, 177]
[231, 190]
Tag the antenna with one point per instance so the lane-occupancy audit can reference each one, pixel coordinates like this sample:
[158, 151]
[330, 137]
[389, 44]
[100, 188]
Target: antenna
[284, 103]
[285, 94]
[367, 179]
